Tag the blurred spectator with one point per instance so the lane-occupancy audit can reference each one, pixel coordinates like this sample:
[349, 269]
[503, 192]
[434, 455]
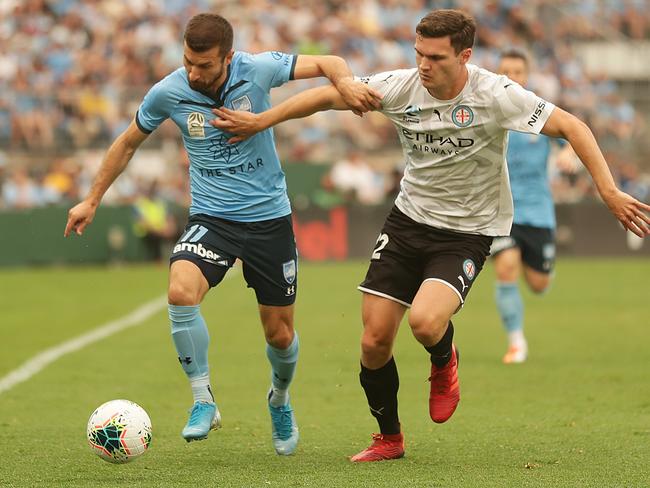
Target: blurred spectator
[632, 182]
[154, 222]
[354, 178]
[60, 180]
[72, 72]
[20, 191]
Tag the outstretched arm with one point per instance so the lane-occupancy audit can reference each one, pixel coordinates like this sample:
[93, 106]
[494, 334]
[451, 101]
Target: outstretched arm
[116, 159]
[245, 124]
[629, 211]
[358, 96]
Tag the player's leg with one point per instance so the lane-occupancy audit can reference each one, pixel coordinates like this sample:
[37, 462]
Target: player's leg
[538, 257]
[451, 264]
[270, 268]
[507, 267]
[190, 278]
[390, 284]
[539, 260]
[379, 379]
[282, 348]
[537, 282]
[187, 287]
[430, 321]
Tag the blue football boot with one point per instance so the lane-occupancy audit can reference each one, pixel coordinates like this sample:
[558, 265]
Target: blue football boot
[284, 428]
[204, 417]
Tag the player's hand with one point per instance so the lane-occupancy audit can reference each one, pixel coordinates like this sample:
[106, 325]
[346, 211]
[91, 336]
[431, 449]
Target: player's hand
[630, 212]
[79, 217]
[239, 122]
[359, 96]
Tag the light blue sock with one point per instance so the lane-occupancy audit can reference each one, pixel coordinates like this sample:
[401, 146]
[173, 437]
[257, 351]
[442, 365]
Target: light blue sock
[511, 306]
[283, 365]
[191, 338]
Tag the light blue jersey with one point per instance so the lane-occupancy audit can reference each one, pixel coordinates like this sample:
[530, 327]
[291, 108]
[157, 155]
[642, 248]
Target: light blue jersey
[527, 158]
[242, 182]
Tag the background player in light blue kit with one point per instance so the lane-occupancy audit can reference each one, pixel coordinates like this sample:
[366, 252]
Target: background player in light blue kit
[239, 208]
[531, 245]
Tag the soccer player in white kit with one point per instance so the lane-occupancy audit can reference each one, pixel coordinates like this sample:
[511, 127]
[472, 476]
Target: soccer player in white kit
[452, 119]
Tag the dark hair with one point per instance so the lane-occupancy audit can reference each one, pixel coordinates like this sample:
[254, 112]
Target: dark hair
[514, 53]
[458, 25]
[206, 31]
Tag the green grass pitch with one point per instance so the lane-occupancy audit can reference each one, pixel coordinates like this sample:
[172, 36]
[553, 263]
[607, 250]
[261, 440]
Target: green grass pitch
[576, 415]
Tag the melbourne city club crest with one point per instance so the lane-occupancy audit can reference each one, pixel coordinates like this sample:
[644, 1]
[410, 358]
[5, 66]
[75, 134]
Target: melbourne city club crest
[462, 116]
[469, 268]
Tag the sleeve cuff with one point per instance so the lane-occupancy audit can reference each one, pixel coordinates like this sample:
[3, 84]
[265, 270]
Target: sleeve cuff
[293, 67]
[139, 124]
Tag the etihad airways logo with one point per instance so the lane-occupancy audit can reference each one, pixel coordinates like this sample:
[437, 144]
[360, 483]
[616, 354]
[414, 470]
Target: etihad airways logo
[427, 142]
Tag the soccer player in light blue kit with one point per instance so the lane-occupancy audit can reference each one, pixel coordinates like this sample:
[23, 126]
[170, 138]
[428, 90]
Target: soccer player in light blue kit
[531, 244]
[239, 204]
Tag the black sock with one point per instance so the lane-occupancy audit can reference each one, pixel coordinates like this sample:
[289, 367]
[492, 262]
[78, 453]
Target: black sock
[441, 352]
[381, 387]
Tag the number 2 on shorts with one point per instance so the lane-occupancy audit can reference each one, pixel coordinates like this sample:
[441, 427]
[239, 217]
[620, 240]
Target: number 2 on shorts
[382, 240]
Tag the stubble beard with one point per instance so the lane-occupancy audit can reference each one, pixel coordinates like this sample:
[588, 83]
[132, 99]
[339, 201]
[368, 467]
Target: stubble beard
[210, 89]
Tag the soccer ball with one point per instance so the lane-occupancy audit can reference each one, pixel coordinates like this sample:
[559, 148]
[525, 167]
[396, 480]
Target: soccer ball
[119, 431]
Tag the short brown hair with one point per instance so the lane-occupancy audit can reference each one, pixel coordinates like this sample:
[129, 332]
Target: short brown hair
[514, 53]
[206, 31]
[458, 25]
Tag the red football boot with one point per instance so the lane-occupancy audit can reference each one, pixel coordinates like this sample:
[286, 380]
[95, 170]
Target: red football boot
[383, 447]
[445, 391]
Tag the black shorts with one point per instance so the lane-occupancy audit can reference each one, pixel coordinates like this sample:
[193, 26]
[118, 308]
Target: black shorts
[267, 250]
[408, 253]
[537, 246]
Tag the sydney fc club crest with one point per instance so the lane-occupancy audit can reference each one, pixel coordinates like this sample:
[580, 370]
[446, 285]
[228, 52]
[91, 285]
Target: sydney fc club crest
[289, 271]
[462, 116]
[469, 268]
[242, 103]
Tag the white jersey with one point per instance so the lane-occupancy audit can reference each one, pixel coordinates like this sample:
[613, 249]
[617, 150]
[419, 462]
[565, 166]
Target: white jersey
[456, 175]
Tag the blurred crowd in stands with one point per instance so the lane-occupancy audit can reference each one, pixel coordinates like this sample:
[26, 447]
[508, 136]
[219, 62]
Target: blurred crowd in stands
[72, 73]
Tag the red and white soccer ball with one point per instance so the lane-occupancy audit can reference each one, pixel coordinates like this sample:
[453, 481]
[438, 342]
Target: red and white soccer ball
[119, 431]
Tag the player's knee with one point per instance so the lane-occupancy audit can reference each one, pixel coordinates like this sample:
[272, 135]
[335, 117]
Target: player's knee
[279, 337]
[427, 326]
[374, 344]
[180, 294]
[506, 273]
[539, 288]
[539, 284]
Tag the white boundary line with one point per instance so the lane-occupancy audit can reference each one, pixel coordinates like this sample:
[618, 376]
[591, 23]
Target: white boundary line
[43, 359]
